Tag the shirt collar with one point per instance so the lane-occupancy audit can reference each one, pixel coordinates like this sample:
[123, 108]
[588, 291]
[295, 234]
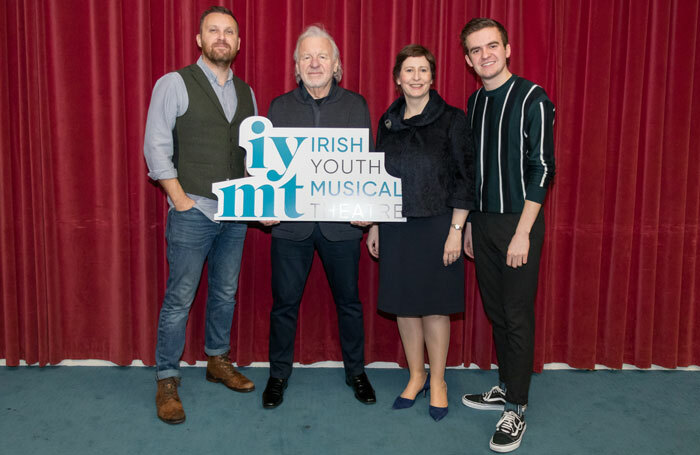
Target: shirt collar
[210, 74]
[306, 96]
[502, 88]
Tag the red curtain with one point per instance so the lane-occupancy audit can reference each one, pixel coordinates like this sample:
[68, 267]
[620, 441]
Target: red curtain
[82, 265]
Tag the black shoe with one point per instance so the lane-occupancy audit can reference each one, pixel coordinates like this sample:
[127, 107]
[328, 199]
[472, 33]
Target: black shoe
[363, 389]
[509, 432]
[274, 392]
[493, 399]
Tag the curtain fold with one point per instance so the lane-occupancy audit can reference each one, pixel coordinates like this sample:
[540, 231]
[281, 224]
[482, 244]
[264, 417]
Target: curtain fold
[82, 263]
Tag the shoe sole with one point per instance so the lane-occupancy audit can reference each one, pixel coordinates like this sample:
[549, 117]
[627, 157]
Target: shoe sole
[363, 401]
[219, 381]
[272, 406]
[482, 406]
[509, 447]
[172, 422]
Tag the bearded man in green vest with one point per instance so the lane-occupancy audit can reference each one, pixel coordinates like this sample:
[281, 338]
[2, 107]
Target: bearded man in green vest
[191, 141]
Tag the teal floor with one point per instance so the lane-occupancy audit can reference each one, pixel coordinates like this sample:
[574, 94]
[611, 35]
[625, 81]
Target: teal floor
[111, 410]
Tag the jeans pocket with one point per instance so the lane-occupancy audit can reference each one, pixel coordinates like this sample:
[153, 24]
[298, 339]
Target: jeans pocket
[189, 227]
[184, 211]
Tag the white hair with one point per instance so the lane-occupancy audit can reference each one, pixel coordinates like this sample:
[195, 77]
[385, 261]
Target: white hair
[319, 32]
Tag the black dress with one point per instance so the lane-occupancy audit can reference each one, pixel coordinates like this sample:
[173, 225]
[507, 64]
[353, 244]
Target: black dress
[413, 281]
[433, 155]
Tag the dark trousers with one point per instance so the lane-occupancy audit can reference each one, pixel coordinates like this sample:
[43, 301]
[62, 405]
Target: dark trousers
[508, 295]
[291, 262]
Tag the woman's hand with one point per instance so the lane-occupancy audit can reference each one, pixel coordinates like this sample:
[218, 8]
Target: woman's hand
[373, 241]
[453, 247]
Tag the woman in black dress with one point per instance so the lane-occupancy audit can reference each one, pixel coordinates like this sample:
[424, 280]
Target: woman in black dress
[427, 143]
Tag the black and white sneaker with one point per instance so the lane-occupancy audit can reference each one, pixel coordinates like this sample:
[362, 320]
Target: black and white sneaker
[509, 432]
[493, 399]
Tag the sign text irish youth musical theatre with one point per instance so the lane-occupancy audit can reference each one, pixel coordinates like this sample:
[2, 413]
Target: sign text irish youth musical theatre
[309, 174]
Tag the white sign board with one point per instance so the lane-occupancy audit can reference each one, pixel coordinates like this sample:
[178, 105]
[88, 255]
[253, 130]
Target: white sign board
[309, 174]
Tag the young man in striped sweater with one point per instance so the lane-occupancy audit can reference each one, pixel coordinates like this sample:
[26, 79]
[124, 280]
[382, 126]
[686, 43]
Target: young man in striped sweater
[512, 121]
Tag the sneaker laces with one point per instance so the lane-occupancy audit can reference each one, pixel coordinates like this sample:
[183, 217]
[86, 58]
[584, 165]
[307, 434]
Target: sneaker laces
[495, 390]
[509, 423]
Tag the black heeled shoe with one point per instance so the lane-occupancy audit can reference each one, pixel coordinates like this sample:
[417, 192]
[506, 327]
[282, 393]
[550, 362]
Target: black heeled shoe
[405, 403]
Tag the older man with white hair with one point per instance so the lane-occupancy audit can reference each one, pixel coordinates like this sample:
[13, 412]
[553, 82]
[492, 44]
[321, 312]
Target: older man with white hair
[319, 102]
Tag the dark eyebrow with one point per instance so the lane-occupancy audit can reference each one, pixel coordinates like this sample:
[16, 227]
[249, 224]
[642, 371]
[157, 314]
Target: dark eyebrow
[488, 44]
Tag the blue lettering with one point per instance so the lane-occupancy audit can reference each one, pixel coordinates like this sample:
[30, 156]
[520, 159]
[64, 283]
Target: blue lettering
[268, 195]
[285, 154]
[320, 188]
[354, 144]
[258, 153]
[290, 197]
[384, 190]
[349, 190]
[323, 143]
[342, 144]
[330, 188]
[367, 193]
[397, 193]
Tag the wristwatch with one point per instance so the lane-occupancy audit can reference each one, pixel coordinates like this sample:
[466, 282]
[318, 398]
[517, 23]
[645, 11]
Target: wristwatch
[457, 227]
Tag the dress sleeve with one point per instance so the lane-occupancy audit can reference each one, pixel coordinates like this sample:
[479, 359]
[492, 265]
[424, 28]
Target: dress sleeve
[462, 152]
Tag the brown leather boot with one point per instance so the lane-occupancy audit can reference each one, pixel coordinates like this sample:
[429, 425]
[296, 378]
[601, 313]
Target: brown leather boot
[219, 369]
[168, 401]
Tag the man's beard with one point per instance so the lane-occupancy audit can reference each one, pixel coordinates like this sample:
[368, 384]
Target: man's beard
[317, 83]
[219, 56]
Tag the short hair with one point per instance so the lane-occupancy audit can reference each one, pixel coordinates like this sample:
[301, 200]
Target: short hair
[318, 31]
[412, 50]
[479, 23]
[220, 10]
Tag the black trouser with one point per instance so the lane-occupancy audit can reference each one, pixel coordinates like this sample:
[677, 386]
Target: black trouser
[508, 295]
[291, 263]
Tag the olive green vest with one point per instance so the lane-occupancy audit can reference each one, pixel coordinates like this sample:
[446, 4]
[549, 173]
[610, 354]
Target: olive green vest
[206, 144]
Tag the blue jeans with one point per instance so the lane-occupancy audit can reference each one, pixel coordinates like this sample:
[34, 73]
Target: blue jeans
[192, 239]
[291, 263]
